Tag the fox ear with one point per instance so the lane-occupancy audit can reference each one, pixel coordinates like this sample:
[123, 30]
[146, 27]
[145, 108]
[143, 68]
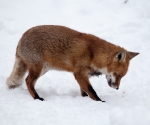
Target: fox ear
[121, 56]
[132, 54]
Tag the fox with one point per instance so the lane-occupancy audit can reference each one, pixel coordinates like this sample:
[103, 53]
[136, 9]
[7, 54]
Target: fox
[54, 47]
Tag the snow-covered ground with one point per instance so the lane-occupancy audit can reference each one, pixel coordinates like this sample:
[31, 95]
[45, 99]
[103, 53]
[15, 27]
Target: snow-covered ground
[127, 25]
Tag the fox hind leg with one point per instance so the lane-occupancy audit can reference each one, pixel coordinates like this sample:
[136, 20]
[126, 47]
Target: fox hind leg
[30, 82]
[17, 75]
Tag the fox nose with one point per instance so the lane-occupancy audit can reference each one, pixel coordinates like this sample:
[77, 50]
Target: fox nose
[117, 88]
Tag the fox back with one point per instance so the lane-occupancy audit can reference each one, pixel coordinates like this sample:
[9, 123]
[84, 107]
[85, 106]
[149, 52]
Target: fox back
[47, 47]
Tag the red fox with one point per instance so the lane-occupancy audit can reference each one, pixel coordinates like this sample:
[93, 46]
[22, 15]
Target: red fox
[47, 47]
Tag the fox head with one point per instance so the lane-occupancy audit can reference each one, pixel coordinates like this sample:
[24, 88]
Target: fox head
[118, 67]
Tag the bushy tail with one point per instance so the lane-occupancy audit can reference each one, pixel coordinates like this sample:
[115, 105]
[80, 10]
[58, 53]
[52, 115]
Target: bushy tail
[17, 75]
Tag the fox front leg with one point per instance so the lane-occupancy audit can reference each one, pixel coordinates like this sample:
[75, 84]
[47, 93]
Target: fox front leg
[86, 86]
[83, 93]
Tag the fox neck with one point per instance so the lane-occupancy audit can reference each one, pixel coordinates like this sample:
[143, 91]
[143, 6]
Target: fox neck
[103, 54]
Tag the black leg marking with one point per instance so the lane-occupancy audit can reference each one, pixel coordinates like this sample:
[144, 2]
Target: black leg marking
[41, 99]
[92, 91]
[37, 97]
[84, 94]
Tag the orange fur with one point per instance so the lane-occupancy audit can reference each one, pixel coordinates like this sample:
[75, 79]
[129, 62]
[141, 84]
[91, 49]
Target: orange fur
[48, 47]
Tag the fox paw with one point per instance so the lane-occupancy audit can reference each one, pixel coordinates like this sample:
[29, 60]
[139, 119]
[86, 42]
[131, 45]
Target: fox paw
[40, 99]
[84, 94]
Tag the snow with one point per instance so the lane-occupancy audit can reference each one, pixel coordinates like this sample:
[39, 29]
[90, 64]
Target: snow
[127, 25]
